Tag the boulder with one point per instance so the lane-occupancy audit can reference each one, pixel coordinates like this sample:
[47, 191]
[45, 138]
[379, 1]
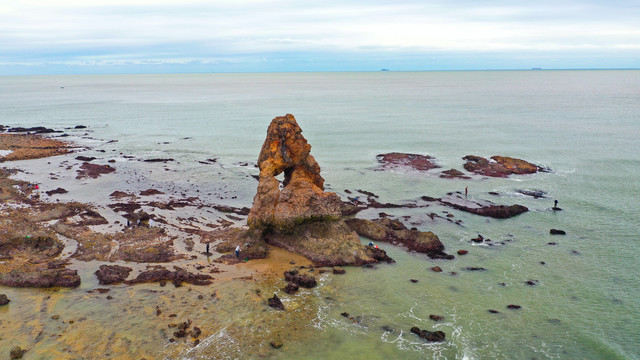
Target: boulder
[112, 274]
[275, 302]
[4, 300]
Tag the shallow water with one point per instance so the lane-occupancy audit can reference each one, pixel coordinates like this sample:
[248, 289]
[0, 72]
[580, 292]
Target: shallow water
[582, 125]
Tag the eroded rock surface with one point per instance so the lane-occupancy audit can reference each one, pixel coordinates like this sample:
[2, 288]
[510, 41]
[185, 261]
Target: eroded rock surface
[302, 197]
[499, 166]
[396, 233]
[413, 161]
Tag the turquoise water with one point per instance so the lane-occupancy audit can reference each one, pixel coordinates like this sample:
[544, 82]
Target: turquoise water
[583, 125]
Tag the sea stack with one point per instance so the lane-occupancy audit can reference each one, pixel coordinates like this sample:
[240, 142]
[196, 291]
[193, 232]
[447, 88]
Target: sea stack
[298, 215]
[302, 198]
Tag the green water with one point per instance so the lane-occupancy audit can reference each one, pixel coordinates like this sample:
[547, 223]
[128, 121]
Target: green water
[583, 125]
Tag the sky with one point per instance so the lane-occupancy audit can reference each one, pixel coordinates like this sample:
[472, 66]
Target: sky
[175, 36]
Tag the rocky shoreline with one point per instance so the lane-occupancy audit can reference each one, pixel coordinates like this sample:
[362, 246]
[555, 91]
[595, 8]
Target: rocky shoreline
[44, 241]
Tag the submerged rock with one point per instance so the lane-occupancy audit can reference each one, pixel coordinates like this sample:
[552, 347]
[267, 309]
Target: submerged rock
[436, 336]
[413, 161]
[4, 300]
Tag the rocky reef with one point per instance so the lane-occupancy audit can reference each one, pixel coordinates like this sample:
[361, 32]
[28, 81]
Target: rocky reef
[404, 160]
[499, 166]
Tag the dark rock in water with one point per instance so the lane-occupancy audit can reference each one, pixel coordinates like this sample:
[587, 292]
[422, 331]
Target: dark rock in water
[338, 270]
[436, 317]
[396, 233]
[177, 277]
[413, 280]
[557, 232]
[531, 282]
[80, 127]
[56, 191]
[453, 173]
[112, 274]
[35, 130]
[275, 302]
[368, 193]
[51, 275]
[463, 252]
[478, 239]
[85, 158]
[180, 333]
[536, 194]
[276, 344]
[158, 160]
[436, 336]
[305, 281]
[436, 269]
[345, 314]
[93, 171]
[149, 192]
[469, 268]
[553, 243]
[413, 161]
[513, 307]
[291, 288]
[482, 207]
[17, 352]
[494, 311]
[4, 300]
[500, 166]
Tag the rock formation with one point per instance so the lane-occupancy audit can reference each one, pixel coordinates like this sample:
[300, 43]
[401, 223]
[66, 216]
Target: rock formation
[413, 161]
[302, 197]
[301, 217]
[499, 166]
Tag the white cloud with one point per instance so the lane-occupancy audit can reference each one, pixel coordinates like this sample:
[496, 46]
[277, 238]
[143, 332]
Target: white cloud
[162, 30]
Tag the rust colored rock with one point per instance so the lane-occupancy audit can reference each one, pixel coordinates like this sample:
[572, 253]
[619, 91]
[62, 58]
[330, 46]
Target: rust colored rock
[463, 252]
[501, 166]
[112, 274]
[88, 170]
[413, 161]
[302, 197]
[436, 269]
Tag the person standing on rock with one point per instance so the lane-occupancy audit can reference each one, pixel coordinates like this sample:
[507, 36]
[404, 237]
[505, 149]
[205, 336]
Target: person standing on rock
[238, 251]
[466, 191]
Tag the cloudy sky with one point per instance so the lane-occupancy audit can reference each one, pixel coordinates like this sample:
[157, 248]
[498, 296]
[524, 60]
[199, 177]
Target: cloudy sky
[112, 36]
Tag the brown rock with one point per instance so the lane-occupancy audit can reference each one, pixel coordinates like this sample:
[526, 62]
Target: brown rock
[394, 232]
[112, 274]
[413, 161]
[302, 197]
[501, 166]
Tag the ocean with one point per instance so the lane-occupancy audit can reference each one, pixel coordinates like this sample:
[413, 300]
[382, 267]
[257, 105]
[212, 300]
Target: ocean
[582, 125]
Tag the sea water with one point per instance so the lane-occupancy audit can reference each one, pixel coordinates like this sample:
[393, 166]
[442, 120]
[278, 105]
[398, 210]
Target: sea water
[582, 125]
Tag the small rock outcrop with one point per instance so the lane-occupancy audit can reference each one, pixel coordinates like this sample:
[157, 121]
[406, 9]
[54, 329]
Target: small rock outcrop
[480, 207]
[403, 160]
[396, 233]
[499, 166]
[4, 300]
[435, 336]
[112, 274]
